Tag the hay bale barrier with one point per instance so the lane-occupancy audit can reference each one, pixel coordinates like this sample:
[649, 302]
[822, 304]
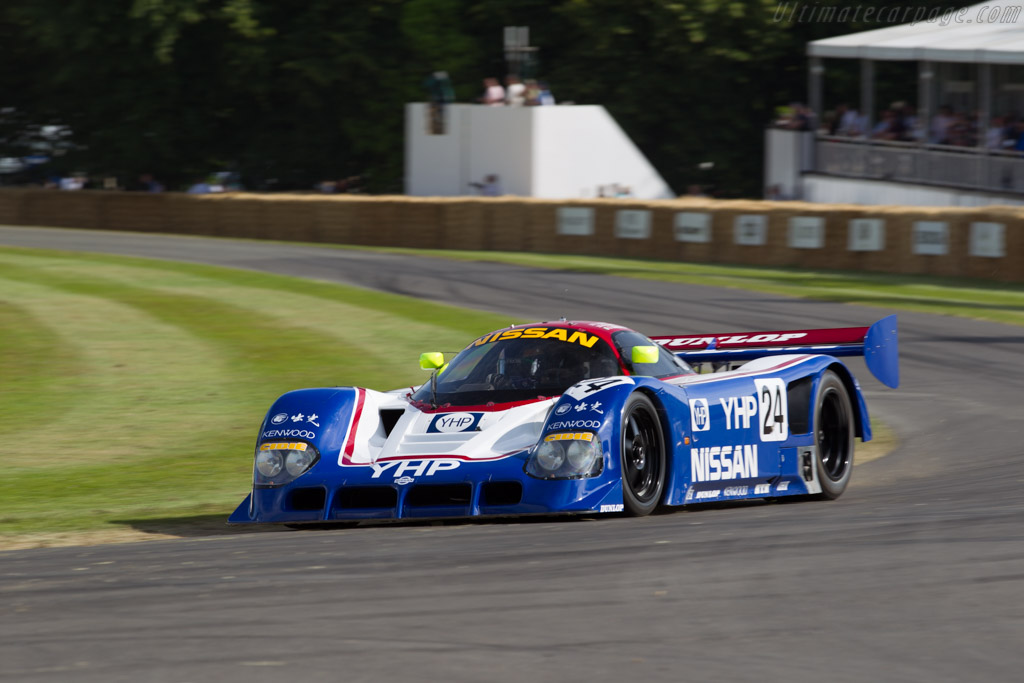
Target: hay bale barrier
[984, 243]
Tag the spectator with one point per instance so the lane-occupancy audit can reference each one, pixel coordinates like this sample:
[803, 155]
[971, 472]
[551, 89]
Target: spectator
[848, 122]
[938, 133]
[1018, 135]
[960, 132]
[490, 187]
[996, 133]
[532, 93]
[912, 128]
[889, 127]
[545, 98]
[836, 123]
[439, 87]
[515, 91]
[494, 94]
[799, 117]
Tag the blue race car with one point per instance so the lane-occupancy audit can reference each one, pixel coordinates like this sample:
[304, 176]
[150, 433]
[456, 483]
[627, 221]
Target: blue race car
[575, 417]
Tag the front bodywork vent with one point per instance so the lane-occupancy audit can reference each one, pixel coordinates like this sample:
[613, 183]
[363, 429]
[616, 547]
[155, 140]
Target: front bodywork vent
[308, 499]
[493, 493]
[440, 495]
[366, 497]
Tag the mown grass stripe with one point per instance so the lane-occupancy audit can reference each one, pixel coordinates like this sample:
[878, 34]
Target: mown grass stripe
[132, 373]
[34, 366]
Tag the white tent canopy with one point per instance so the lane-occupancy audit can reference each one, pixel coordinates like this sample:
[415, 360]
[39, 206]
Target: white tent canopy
[987, 33]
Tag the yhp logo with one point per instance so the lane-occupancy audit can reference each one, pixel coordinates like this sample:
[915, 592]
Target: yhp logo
[700, 416]
[454, 422]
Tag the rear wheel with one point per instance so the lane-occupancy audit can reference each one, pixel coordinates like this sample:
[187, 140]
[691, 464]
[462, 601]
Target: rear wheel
[834, 435]
[643, 457]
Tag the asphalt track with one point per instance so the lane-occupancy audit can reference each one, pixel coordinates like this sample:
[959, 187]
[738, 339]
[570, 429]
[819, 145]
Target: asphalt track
[916, 573]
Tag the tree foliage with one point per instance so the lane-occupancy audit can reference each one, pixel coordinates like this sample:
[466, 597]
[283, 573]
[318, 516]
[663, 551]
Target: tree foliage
[291, 93]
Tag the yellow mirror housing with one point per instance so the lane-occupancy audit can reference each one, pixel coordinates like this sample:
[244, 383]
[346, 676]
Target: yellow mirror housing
[645, 354]
[431, 360]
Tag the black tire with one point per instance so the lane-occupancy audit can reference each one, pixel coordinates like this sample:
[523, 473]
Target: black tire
[834, 436]
[643, 457]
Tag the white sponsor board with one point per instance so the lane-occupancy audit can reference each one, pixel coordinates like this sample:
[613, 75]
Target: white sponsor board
[633, 224]
[690, 226]
[806, 232]
[988, 240]
[866, 234]
[750, 229]
[931, 238]
[575, 220]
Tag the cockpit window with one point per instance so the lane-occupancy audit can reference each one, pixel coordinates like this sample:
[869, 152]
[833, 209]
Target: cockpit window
[668, 365]
[521, 364]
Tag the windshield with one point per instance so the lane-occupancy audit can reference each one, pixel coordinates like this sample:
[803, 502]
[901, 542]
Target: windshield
[668, 364]
[520, 365]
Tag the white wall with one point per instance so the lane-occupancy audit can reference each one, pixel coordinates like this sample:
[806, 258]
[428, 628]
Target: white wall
[830, 190]
[787, 153]
[557, 152]
[426, 153]
[577, 148]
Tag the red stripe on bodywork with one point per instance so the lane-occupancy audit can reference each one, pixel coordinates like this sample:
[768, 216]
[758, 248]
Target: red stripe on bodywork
[350, 445]
[426, 409]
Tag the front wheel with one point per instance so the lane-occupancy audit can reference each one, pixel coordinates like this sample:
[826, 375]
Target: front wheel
[643, 457]
[834, 435]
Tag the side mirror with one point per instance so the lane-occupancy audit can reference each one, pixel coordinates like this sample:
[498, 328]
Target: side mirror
[644, 354]
[431, 360]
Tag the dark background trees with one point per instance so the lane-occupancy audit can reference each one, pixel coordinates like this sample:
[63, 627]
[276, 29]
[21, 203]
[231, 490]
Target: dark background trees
[287, 94]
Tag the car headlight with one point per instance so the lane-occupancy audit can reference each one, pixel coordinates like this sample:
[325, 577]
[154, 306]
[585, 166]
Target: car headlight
[568, 455]
[581, 454]
[550, 455]
[280, 463]
[269, 463]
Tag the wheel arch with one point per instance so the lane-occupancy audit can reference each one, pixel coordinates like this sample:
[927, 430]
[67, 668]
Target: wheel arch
[658, 399]
[860, 412]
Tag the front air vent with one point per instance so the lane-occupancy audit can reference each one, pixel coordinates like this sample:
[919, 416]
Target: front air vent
[307, 499]
[494, 493]
[366, 497]
[439, 495]
[389, 418]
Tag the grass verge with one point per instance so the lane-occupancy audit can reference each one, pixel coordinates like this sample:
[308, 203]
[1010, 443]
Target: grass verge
[132, 388]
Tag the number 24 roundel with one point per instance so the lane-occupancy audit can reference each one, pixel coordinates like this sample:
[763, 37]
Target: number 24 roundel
[773, 411]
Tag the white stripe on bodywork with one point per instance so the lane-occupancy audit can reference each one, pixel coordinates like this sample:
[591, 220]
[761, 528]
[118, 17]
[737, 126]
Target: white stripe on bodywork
[686, 380]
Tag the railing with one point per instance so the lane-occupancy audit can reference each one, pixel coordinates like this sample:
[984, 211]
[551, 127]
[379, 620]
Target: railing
[963, 167]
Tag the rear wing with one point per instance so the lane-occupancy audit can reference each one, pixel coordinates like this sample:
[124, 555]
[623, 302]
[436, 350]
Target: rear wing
[877, 343]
